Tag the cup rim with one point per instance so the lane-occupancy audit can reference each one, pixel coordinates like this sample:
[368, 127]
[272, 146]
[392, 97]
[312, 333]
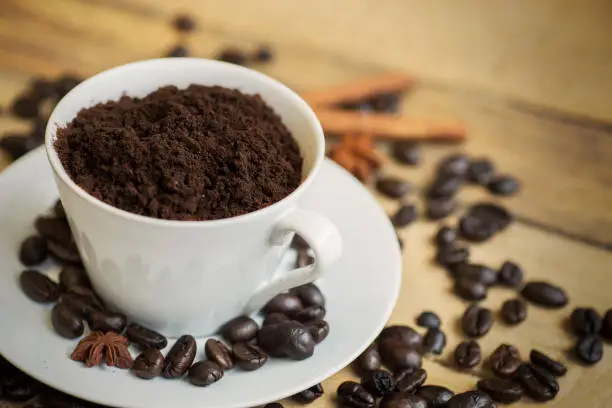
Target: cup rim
[291, 95]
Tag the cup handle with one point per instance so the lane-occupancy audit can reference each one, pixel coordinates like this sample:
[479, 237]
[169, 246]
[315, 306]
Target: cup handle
[322, 237]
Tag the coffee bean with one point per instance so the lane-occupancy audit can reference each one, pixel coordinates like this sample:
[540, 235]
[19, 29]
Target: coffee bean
[402, 400]
[404, 216]
[352, 395]
[287, 339]
[445, 185]
[405, 334]
[504, 185]
[19, 388]
[434, 341]
[585, 320]
[554, 367]
[510, 274]
[477, 321]
[475, 229]
[369, 360]
[406, 153]
[309, 294]
[428, 319]
[470, 290]
[493, 214]
[386, 102]
[65, 252]
[274, 405]
[25, 106]
[274, 318]
[54, 229]
[393, 187]
[505, 360]
[456, 164]
[438, 208]
[184, 23]
[309, 395]
[318, 330]
[180, 357]
[33, 250]
[87, 295]
[500, 390]
[589, 349]
[513, 311]
[545, 294]
[378, 382]
[81, 305]
[263, 53]
[471, 399]
[539, 384]
[66, 322]
[178, 51]
[410, 382]
[606, 327]
[144, 337]
[65, 83]
[310, 314]
[204, 373]
[149, 364]
[233, 56]
[72, 276]
[286, 303]
[38, 287]
[239, 329]
[435, 395]
[248, 356]
[468, 354]
[398, 356]
[17, 145]
[481, 171]
[303, 259]
[219, 353]
[107, 321]
[450, 255]
[58, 209]
[445, 236]
[477, 272]
[6, 368]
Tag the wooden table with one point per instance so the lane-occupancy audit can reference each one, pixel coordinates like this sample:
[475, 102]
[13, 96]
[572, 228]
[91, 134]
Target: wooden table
[532, 81]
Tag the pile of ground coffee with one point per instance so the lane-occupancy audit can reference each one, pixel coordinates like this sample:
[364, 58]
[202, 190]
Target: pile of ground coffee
[200, 153]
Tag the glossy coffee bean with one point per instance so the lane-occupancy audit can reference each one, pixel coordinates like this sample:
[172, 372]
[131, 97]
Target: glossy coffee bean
[409, 382]
[445, 236]
[219, 353]
[589, 349]
[504, 185]
[500, 390]
[145, 337]
[309, 294]
[445, 185]
[65, 252]
[287, 339]
[470, 290]
[450, 255]
[82, 305]
[249, 357]
[539, 384]
[428, 319]
[149, 364]
[585, 320]
[285, 303]
[505, 360]
[33, 250]
[393, 187]
[438, 208]
[310, 394]
[106, 321]
[545, 294]
[494, 215]
[405, 334]
[541, 360]
[477, 321]
[66, 322]
[240, 329]
[263, 53]
[510, 274]
[455, 164]
[274, 318]
[38, 287]
[398, 356]
[403, 400]
[435, 395]
[513, 311]
[233, 56]
[19, 388]
[178, 51]
[204, 373]
[386, 102]
[475, 229]
[310, 314]
[72, 276]
[352, 395]
[434, 341]
[369, 360]
[606, 326]
[471, 399]
[54, 229]
[319, 330]
[468, 354]
[404, 216]
[378, 382]
[406, 153]
[481, 171]
[180, 357]
[476, 272]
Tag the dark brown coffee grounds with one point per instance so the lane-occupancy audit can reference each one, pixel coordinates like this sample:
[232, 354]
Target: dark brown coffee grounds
[201, 153]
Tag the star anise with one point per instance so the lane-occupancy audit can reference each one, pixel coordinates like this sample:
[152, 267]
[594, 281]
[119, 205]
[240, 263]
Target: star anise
[111, 347]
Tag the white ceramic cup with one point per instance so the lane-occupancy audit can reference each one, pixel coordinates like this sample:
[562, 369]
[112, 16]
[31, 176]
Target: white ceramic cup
[181, 277]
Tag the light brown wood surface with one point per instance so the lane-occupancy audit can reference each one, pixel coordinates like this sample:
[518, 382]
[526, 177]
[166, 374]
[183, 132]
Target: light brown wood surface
[526, 77]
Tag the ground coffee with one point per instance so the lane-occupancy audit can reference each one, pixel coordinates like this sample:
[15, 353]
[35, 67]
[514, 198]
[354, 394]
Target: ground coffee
[201, 153]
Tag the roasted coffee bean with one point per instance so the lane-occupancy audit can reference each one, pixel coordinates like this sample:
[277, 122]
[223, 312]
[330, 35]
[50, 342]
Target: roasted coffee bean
[58, 209]
[204, 373]
[477, 321]
[149, 364]
[298, 242]
[369, 360]
[352, 395]
[545, 294]
[410, 382]
[481, 171]
[435, 395]
[6, 368]
[434, 341]
[500, 390]
[66, 322]
[72, 276]
[33, 250]
[477, 272]
[471, 399]
[456, 164]
[83, 306]
[378, 382]
[404, 215]
[513, 311]
[26, 106]
[17, 145]
[233, 56]
[144, 337]
[475, 229]
[504, 185]
[263, 53]
[86, 293]
[318, 330]
[428, 319]
[180, 357]
[106, 321]
[585, 320]
[274, 318]
[287, 339]
[405, 334]
[539, 384]
[240, 329]
[219, 353]
[471, 290]
[606, 327]
[406, 153]
[286, 303]
[386, 102]
[554, 367]
[505, 360]
[274, 405]
[398, 356]
[248, 356]
[303, 259]
[310, 314]
[38, 287]
[65, 252]
[438, 208]
[54, 229]
[393, 187]
[468, 354]
[492, 214]
[450, 255]
[589, 349]
[446, 236]
[184, 23]
[310, 394]
[403, 400]
[510, 274]
[19, 388]
[445, 185]
[309, 294]
[65, 83]
[178, 51]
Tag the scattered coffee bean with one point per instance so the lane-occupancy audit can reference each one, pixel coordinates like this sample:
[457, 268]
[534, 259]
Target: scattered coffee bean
[545, 294]
[585, 320]
[407, 153]
[54, 229]
[309, 294]
[286, 303]
[65, 252]
[310, 314]
[180, 357]
[287, 339]
[386, 102]
[402, 400]
[470, 290]
[33, 250]
[318, 330]
[106, 321]
[378, 382]
[25, 106]
[233, 56]
[405, 334]
[475, 229]
[501, 390]
[274, 318]
[481, 171]
[589, 349]
[471, 399]
[19, 388]
[144, 337]
[410, 382]
[428, 319]
[606, 327]
[505, 360]
[438, 208]
[38, 287]
[554, 367]
[450, 255]
[468, 354]
[184, 23]
[352, 395]
[178, 51]
[445, 236]
[310, 394]
[274, 405]
[239, 329]
[66, 322]
[504, 185]
[72, 276]
[203, 373]
[393, 187]
[17, 145]
[513, 311]
[86, 294]
[82, 305]
[510, 274]
[219, 353]
[477, 272]
[65, 83]
[404, 215]
[477, 321]
[58, 209]
[435, 395]
[248, 356]
[369, 360]
[492, 214]
[263, 53]
[398, 356]
[445, 185]
[538, 383]
[149, 364]
[434, 341]
[455, 164]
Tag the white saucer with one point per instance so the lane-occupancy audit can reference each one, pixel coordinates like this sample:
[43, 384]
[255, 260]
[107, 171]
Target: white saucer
[361, 292]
